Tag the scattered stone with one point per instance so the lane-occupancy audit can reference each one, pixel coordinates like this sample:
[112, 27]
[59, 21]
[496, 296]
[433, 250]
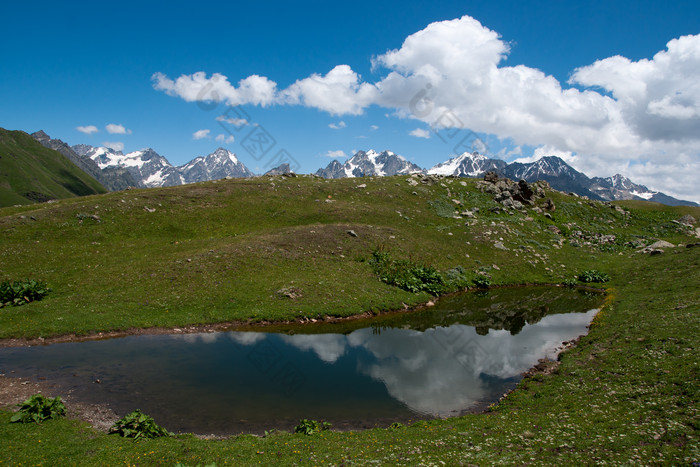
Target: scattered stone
[352, 233]
[687, 220]
[290, 292]
[364, 185]
[491, 177]
[661, 244]
[147, 209]
[412, 181]
[549, 205]
[656, 252]
[500, 246]
[554, 229]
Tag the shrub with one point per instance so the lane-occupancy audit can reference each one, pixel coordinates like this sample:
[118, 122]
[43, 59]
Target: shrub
[39, 408]
[309, 427]
[593, 275]
[138, 425]
[407, 275]
[18, 293]
[482, 282]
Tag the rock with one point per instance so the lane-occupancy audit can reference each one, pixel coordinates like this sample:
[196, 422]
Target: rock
[352, 233]
[364, 185]
[687, 220]
[517, 205]
[491, 177]
[412, 181]
[656, 252]
[549, 205]
[290, 292]
[661, 244]
[500, 246]
[554, 229]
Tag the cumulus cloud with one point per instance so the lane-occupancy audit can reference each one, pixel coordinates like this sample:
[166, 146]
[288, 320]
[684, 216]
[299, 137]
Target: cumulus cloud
[201, 134]
[88, 130]
[225, 139]
[453, 74]
[420, 133]
[337, 126]
[238, 122]
[115, 129]
[256, 90]
[116, 145]
[373, 127]
[339, 154]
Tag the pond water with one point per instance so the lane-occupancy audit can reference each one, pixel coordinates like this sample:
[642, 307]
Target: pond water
[455, 357]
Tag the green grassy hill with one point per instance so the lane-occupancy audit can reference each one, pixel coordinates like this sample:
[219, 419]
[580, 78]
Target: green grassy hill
[31, 173]
[230, 251]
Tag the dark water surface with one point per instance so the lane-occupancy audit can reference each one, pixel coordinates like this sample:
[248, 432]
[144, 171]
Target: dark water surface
[461, 354]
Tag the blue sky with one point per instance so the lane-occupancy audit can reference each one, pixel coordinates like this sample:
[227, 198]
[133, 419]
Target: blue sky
[609, 86]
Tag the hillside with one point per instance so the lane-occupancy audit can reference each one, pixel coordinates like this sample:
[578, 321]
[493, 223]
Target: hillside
[31, 173]
[300, 249]
[220, 251]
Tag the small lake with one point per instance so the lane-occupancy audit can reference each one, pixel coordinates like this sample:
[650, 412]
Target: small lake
[458, 356]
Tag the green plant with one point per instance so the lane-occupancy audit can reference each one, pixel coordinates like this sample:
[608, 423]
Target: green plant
[309, 427]
[18, 293]
[39, 408]
[482, 282]
[406, 274]
[593, 275]
[138, 425]
[572, 282]
[396, 426]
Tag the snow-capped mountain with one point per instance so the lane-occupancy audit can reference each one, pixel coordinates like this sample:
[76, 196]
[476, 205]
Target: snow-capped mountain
[370, 163]
[112, 179]
[555, 171]
[219, 164]
[468, 165]
[150, 169]
[619, 187]
[558, 174]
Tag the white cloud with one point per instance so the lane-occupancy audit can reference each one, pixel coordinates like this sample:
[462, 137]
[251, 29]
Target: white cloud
[374, 127]
[452, 74]
[201, 134]
[117, 146]
[88, 130]
[225, 139]
[420, 133]
[115, 129]
[339, 154]
[337, 126]
[256, 90]
[238, 122]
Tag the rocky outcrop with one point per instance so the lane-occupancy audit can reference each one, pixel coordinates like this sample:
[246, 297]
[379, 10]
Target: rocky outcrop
[512, 195]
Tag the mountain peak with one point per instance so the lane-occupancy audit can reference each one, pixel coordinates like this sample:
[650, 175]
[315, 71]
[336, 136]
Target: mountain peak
[370, 163]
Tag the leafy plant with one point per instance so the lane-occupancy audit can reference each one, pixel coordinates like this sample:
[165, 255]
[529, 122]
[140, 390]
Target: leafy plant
[396, 426]
[18, 293]
[309, 427]
[138, 425]
[481, 282]
[406, 274]
[39, 408]
[593, 275]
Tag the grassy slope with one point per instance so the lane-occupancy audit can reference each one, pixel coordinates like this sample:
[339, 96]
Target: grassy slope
[27, 166]
[220, 251]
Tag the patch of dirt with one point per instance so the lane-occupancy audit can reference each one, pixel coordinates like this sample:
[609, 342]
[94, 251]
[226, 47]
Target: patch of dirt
[15, 390]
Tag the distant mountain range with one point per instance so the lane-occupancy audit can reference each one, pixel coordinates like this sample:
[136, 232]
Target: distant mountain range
[146, 168]
[558, 174]
[370, 163]
[150, 169]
